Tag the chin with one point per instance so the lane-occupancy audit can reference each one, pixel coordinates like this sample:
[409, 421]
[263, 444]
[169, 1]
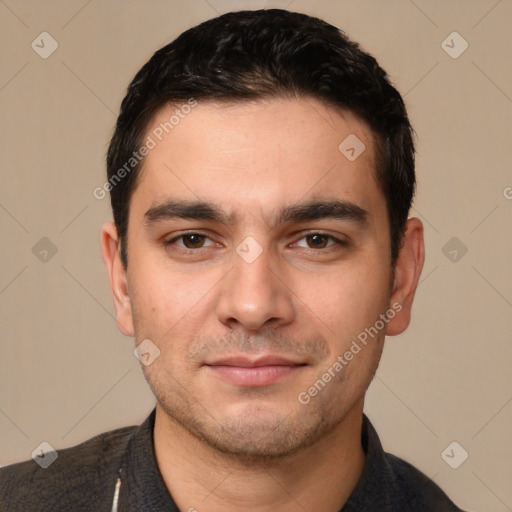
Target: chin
[255, 434]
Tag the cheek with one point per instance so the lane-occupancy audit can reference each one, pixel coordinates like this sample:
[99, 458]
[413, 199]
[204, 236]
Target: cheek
[344, 303]
[165, 299]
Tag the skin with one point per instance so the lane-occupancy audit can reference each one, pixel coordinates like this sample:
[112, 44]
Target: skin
[221, 445]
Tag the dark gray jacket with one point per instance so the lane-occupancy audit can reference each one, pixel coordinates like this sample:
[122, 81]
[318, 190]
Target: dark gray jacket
[85, 478]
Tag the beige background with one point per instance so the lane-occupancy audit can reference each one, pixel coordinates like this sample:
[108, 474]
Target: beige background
[66, 372]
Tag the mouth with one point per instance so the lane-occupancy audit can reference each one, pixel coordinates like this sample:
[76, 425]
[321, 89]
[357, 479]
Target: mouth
[253, 371]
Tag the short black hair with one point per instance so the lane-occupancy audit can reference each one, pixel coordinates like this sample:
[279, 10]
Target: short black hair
[247, 55]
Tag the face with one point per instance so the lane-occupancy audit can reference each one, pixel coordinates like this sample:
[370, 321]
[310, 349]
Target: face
[258, 258]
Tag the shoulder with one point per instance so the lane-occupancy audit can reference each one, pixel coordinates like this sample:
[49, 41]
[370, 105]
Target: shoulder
[392, 484]
[417, 490]
[80, 475]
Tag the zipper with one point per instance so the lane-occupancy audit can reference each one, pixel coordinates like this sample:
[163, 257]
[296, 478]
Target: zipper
[116, 495]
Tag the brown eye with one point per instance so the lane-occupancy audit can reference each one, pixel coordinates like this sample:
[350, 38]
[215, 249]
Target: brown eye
[189, 241]
[317, 241]
[193, 241]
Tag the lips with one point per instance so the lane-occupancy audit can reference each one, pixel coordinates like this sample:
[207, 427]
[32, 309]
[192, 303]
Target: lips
[253, 371]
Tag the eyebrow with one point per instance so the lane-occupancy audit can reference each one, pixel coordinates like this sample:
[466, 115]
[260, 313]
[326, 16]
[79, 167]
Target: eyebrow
[308, 211]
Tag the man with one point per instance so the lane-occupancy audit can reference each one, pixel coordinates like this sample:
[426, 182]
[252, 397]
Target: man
[261, 174]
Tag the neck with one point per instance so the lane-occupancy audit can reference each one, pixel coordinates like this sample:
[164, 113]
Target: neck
[320, 477]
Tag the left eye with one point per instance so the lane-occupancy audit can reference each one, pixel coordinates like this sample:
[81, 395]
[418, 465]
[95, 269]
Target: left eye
[191, 241]
[319, 241]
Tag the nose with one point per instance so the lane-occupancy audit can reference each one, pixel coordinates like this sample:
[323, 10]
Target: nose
[255, 295]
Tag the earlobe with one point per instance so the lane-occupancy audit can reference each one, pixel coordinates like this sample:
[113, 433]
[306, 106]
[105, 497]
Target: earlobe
[407, 274]
[117, 277]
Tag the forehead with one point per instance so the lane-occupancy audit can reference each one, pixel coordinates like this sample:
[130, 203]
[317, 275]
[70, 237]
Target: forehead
[251, 156]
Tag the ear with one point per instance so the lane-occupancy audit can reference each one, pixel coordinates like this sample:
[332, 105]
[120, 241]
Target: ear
[117, 277]
[407, 274]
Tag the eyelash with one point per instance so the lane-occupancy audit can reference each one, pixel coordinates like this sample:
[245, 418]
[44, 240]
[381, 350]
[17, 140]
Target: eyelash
[186, 250]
